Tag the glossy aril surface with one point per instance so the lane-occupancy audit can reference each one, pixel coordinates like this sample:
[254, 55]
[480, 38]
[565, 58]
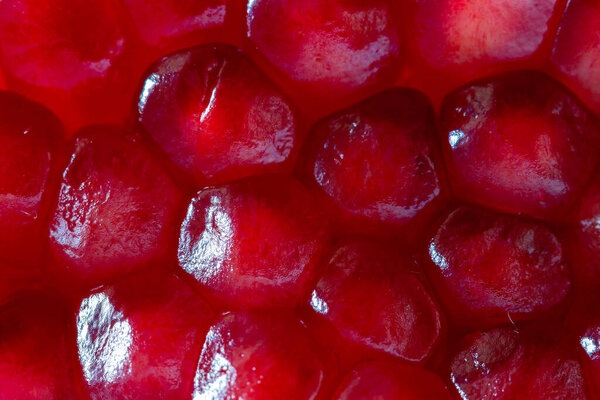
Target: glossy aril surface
[520, 143]
[30, 145]
[259, 356]
[583, 239]
[577, 47]
[505, 363]
[217, 116]
[390, 380]
[468, 36]
[175, 23]
[71, 55]
[117, 208]
[402, 184]
[140, 338]
[333, 47]
[254, 243]
[590, 344]
[399, 318]
[491, 268]
[37, 359]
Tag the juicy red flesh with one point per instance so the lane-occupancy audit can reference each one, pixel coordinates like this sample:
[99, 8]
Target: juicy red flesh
[402, 184]
[217, 116]
[117, 208]
[491, 268]
[140, 338]
[30, 144]
[254, 243]
[330, 47]
[175, 24]
[71, 55]
[390, 380]
[577, 49]
[520, 143]
[222, 118]
[259, 356]
[398, 316]
[507, 363]
[37, 354]
[590, 344]
[469, 36]
[584, 238]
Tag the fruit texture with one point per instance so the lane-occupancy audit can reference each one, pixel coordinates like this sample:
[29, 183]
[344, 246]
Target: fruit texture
[520, 143]
[577, 47]
[389, 380]
[36, 351]
[71, 55]
[30, 150]
[399, 318]
[259, 356]
[254, 243]
[140, 337]
[504, 363]
[117, 209]
[169, 24]
[329, 48]
[491, 268]
[402, 185]
[217, 116]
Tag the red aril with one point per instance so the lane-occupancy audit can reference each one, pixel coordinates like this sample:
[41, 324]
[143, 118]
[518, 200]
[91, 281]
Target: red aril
[330, 48]
[30, 145]
[254, 243]
[370, 303]
[378, 162]
[391, 380]
[583, 239]
[576, 49]
[175, 24]
[469, 36]
[505, 363]
[71, 55]
[37, 352]
[491, 268]
[256, 356]
[117, 209]
[140, 338]
[519, 143]
[217, 116]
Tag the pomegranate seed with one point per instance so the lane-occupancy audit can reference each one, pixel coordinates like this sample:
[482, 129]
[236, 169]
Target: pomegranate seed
[117, 208]
[519, 143]
[140, 338]
[253, 243]
[217, 116]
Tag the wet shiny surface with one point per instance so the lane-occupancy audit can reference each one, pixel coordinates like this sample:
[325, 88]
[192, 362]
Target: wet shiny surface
[164, 21]
[504, 363]
[258, 356]
[398, 186]
[491, 268]
[217, 116]
[467, 35]
[70, 55]
[253, 243]
[117, 208]
[577, 48]
[30, 140]
[519, 143]
[140, 338]
[389, 380]
[337, 47]
[398, 316]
